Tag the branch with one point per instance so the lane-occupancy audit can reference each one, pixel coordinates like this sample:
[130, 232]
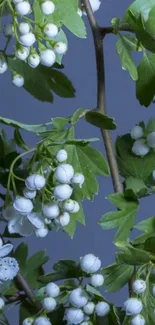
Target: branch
[101, 103]
[110, 30]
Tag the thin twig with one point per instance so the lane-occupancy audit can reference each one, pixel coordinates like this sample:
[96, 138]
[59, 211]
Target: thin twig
[110, 30]
[101, 103]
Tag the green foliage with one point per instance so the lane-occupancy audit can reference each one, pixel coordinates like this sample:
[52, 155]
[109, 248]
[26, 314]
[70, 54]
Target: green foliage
[121, 272]
[100, 120]
[18, 125]
[124, 218]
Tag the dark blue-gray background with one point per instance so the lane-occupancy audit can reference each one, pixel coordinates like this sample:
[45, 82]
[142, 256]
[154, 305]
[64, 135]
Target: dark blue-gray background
[121, 103]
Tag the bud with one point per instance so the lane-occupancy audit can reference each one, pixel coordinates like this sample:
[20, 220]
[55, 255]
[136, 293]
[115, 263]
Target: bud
[136, 132]
[27, 39]
[47, 7]
[78, 298]
[42, 321]
[97, 280]
[49, 304]
[64, 173]
[33, 60]
[89, 308]
[90, 263]
[35, 182]
[63, 192]
[23, 205]
[74, 316]
[47, 221]
[78, 179]
[22, 53]
[138, 320]
[3, 65]
[139, 286]
[51, 210]
[140, 148]
[2, 304]
[71, 206]
[28, 321]
[102, 308]
[18, 80]
[133, 306]
[23, 8]
[151, 140]
[52, 289]
[8, 30]
[24, 28]
[60, 48]
[41, 232]
[50, 30]
[47, 57]
[63, 220]
[29, 194]
[61, 155]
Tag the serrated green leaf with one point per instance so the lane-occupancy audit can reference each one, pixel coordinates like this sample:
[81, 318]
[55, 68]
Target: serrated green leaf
[137, 185]
[123, 50]
[147, 225]
[59, 123]
[133, 256]
[122, 273]
[27, 127]
[100, 120]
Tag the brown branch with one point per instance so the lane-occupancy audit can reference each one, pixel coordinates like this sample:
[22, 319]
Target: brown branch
[110, 30]
[101, 102]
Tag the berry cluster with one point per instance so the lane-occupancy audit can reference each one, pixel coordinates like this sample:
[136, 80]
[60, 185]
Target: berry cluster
[81, 305]
[24, 216]
[142, 144]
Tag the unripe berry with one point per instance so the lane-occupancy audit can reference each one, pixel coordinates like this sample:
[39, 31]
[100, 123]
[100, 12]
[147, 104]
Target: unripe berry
[97, 280]
[3, 65]
[133, 306]
[151, 140]
[8, 30]
[2, 304]
[23, 8]
[50, 30]
[136, 132]
[33, 60]
[71, 206]
[64, 173]
[35, 182]
[22, 53]
[52, 289]
[51, 210]
[60, 48]
[61, 155]
[23, 205]
[28, 321]
[47, 58]
[24, 28]
[63, 220]
[18, 80]
[42, 232]
[27, 39]
[138, 320]
[63, 192]
[78, 298]
[90, 263]
[42, 321]
[139, 286]
[49, 304]
[140, 148]
[29, 194]
[78, 179]
[89, 308]
[47, 7]
[102, 308]
[74, 316]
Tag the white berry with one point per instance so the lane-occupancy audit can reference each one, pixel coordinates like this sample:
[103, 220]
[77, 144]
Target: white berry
[64, 173]
[33, 60]
[2, 303]
[133, 306]
[52, 289]
[3, 65]
[50, 30]
[140, 148]
[47, 58]
[18, 80]
[35, 182]
[29, 194]
[24, 28]
[63, 220]
[60, 48]
[139, 286]
[23, 205]
[42, 232]
[97, 280]
[22, 53]
[51, 210]
[151, 140]
[138, 320]
[63, 192]
[102, 308]
[61, 155]
[74, 316]
[90, 263]
[136, 132]
[8, 30]
[49, 304]
[71, 206]
[42, 321]
[27, 39]
[78, 298]
[47, 7]
[23, 8]
[89, 308]
[78, 179]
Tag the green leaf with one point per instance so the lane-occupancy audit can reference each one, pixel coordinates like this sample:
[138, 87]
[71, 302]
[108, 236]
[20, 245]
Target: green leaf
[77, 115]
[137, 185]
[40, 82]
[57, 316]
[91, 289]
[21, 254]
[147, 225]
[27, 127]
[3, 320]
[120, 272]
[150, 244]
[143, 7]
[64, 269]
[19, 140]
[124, 51]
[100, 120]
[133, 256]
[25, 311]
[124, 219]
[132, 43]
[150, 127]
[146, 78]
[59, 123]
